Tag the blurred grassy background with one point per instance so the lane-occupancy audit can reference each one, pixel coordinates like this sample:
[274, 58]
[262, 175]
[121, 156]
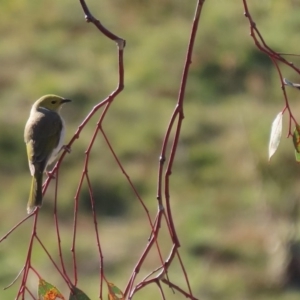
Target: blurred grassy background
[232, 208]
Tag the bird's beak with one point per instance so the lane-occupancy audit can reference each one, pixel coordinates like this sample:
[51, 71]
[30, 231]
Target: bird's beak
[65, 100]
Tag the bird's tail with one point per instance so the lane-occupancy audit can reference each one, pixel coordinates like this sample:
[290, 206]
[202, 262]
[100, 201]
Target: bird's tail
[36, 195]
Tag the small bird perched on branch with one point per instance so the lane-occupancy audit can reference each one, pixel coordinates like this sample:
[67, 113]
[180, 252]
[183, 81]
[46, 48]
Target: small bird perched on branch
[44, 135]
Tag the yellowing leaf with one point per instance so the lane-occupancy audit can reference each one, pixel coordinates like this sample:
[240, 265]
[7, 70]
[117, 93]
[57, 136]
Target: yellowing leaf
[78, 294]
[46, 291]
[114, 293]
[275, 135]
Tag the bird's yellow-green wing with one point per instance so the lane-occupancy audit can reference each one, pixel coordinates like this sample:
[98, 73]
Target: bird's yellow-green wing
[36, 193]
[42, 134]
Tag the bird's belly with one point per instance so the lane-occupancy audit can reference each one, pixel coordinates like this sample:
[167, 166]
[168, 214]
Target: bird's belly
[59, 145]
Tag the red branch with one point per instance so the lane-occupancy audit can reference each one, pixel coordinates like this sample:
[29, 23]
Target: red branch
[177, 114]
[159, 274]
[275, 57]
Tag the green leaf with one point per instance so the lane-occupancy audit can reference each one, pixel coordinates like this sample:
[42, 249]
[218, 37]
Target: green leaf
[297, 155]
[296, 138]
[78, 294]
[46, 291]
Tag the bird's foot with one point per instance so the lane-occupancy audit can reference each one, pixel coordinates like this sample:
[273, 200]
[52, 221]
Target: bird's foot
[66, 148]
[50, 174]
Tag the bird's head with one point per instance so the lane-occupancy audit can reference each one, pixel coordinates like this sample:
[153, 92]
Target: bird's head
[51, 102]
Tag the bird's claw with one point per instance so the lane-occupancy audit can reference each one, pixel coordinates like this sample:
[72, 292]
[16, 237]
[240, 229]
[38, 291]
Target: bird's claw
[66, 148]
[50, 174]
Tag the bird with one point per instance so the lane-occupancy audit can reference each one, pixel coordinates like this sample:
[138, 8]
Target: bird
[44, 137]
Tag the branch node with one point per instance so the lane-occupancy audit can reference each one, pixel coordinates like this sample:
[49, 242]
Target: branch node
[162, 159]
[121, 43]
[88, 19]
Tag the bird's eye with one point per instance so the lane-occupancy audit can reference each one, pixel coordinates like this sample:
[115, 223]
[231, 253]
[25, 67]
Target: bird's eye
[53, 102]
